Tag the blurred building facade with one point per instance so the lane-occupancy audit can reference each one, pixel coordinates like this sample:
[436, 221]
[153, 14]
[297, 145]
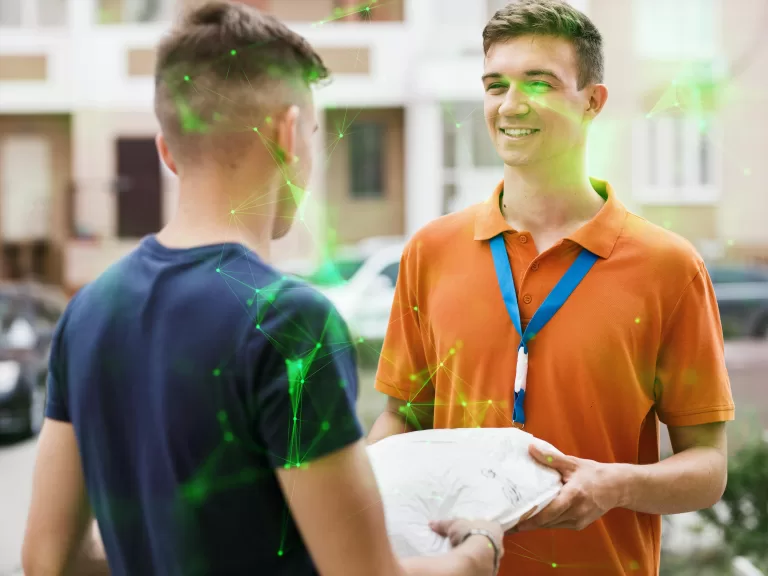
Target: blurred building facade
[402, 132]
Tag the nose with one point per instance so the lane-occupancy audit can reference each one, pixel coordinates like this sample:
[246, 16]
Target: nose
[515, 103]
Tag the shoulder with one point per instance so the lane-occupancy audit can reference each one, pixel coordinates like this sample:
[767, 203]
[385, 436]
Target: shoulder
[669, 257]
[296, 307]
[443, 235]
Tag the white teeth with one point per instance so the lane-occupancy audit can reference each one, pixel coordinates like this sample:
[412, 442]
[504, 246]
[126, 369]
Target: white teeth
[516, 133]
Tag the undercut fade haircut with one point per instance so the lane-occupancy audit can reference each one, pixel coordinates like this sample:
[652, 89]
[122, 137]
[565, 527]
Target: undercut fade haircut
[550, 18]
[222, 70]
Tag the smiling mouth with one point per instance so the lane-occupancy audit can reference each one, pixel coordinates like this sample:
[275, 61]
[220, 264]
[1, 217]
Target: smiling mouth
[518, 133]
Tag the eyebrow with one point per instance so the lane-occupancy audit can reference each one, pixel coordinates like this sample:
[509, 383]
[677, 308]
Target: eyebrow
[527, 73]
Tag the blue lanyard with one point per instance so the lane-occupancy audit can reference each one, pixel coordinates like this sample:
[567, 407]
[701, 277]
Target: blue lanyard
[552, 303]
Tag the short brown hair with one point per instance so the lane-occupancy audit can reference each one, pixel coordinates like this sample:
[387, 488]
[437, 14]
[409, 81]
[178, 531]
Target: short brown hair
[550, 18]
[218, 68]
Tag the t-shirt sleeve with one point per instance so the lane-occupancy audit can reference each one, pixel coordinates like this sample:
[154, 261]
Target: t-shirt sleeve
[56, 406]
[308, 386]
[692, 385]
[403, 371]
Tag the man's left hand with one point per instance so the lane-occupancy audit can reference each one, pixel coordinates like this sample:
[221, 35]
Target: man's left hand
[590, 490]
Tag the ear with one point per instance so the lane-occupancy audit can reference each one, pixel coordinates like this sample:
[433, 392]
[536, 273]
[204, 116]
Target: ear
[598, 96]
[286, 135]
[165, 153]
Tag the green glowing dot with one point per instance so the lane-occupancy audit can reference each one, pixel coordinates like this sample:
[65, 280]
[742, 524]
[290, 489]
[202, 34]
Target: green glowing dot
[258, 326]
[549, 459]
[255, 128]
[218, 269]
[302, 380]
[341, 135]
[747, 172]
[231, 211]
[490, 401]
[361, 339]
[408, 404]
[294, 418]
[458, 125]
[249, 301]
[367, 8]
[257, 290]
[554, 564]
[464, 404]
[229, 437]
[326, 426]
[342, 383]
[441, 364]
[186, 78]
[287, 466]
[413, 377]
[637, 320]
[452, 351]
[222, 416]
[280, 552]
[416, 308]
[216, 372]
[288, 182]
[233, 52]
[317, 346]
[268, 119]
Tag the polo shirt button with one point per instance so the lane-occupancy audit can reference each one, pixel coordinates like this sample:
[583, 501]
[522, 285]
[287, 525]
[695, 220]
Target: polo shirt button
[523, 238]
[535, 266]
[527, 299]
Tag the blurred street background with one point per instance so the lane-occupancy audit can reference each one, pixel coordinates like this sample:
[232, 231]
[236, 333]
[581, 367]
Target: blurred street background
[402, 141]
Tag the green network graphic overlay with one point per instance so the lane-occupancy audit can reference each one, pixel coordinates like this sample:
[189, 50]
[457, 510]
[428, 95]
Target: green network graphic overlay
[687, 95]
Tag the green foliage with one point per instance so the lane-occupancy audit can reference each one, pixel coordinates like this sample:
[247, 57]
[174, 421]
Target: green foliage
[745, 525]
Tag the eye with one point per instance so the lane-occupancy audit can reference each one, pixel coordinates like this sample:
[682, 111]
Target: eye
[496, 86]
[538, 87]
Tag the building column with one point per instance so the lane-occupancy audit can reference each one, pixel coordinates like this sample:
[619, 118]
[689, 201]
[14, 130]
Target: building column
[423, 164]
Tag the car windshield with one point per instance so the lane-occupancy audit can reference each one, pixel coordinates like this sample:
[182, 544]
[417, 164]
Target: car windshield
[334, 272]
[16, 330]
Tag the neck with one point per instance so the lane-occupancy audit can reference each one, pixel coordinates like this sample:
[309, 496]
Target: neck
[204, 213]
[549, 197]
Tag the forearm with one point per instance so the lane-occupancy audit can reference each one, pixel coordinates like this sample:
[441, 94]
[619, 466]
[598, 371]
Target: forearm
[693, 479]
[473, 558]
[388, 424]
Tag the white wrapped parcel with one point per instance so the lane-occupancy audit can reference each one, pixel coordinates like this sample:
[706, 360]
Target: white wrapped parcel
[458, 473]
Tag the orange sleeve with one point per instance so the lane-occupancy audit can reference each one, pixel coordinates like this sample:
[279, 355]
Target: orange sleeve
[403, 370]
[692, 385]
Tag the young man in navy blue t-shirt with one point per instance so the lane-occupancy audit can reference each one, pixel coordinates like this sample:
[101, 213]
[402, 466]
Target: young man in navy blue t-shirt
[200, 404]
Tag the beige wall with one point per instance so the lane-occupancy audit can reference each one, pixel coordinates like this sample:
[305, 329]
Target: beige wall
[95, 133]
[355, 219]
[739, 220]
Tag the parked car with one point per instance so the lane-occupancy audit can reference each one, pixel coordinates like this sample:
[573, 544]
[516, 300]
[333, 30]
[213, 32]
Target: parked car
[28, 316]
[742, 296]
[360, 282]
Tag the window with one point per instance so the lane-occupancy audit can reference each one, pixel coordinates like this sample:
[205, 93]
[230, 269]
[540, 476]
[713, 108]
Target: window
[32, 13]
[133, 11]
[674, 160]
[366, 159]
[676, 30]
[390, 272]
[10, 13]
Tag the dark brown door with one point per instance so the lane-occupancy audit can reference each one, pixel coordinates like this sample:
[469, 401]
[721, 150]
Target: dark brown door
[139, 204]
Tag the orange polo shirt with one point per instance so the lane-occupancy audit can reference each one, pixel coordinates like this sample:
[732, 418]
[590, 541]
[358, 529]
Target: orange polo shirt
[639, 341]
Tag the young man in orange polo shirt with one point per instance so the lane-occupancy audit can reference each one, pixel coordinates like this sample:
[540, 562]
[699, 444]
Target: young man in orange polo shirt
[637, 339]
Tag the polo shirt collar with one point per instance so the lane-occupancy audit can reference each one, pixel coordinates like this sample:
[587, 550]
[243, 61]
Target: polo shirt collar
[599, 235]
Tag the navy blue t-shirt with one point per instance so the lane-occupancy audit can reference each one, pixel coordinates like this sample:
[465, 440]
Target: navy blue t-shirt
[189, 376]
